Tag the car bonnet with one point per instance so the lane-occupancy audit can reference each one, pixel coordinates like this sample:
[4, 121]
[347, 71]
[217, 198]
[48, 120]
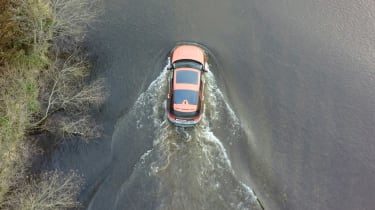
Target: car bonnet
[189, 52]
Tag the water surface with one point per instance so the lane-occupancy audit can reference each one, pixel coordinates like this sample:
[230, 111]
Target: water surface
[294, 118]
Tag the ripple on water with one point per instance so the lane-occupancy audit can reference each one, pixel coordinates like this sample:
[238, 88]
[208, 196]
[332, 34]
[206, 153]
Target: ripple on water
[187, 168]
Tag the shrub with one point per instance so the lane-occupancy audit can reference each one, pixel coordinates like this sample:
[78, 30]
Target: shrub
[25, 29]
[37, 80]
[15, 159]
[71, 18]
[67, 91]
[52, 190]
[84, 126]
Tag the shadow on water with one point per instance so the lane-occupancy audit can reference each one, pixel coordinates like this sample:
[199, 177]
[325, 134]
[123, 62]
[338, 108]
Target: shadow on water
[186, 168]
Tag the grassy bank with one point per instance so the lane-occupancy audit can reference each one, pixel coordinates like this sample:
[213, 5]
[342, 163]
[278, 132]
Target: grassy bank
[43, 88]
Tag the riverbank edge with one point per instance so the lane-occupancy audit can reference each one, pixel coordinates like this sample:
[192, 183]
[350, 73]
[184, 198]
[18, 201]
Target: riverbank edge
[40, 56]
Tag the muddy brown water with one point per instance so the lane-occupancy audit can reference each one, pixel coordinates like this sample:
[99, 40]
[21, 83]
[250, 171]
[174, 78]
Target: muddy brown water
[290, 107]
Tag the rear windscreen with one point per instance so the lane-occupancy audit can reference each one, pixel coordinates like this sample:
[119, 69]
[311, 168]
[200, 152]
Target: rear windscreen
[187, 77]
[189, 95]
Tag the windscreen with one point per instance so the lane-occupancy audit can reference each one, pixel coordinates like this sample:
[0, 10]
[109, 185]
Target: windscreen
[187, 63]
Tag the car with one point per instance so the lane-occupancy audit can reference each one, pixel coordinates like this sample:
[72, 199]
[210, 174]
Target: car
[185, 98]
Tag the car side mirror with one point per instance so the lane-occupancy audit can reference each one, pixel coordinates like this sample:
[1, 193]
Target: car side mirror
[170, 67]
[204, 68]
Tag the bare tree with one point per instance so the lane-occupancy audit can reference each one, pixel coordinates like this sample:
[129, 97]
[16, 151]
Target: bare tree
[69, 92]
[52, 190]
[71, 19]
[84, 126]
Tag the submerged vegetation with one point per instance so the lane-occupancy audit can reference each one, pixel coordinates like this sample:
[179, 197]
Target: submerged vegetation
[44, 88]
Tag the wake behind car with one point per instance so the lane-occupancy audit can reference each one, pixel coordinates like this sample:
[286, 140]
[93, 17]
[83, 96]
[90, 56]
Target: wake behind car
[185, 100]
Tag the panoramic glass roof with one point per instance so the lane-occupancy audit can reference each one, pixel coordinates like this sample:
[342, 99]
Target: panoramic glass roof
[187, 77]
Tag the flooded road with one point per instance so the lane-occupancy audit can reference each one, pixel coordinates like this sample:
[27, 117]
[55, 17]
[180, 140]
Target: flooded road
[290, 113]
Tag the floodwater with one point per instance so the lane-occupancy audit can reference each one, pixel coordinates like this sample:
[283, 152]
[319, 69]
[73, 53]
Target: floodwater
[290, 107]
